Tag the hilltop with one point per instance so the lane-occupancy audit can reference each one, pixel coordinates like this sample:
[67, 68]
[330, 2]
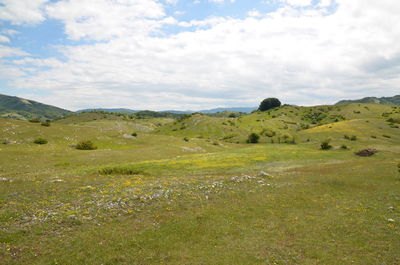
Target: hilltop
[395, 100]
[24, 109]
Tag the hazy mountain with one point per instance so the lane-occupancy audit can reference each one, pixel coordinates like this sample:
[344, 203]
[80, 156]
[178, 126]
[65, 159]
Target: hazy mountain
[119, 110]
[129, 111]
[395, 100]
[20, 108]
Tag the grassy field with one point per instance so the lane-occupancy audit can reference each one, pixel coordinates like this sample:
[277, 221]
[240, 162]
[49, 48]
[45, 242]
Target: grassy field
[188, 192]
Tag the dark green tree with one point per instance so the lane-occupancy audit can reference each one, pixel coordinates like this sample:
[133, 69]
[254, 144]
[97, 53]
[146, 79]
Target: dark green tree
[253, 138]
[269, 103]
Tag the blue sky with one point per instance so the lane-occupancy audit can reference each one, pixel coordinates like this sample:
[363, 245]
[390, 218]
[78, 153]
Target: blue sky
[175, 54]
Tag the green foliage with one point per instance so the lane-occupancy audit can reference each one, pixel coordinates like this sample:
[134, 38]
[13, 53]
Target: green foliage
[120, 170]
[351, 138]
[269, 103]
[394, 120]
[253, 138]
[134, 134]
[186, 139]
[268, 132]
[344, 147]
[40, 141]
[314, 116]
[325, 145]
[45, 124]
[86, 145]
[34, 120]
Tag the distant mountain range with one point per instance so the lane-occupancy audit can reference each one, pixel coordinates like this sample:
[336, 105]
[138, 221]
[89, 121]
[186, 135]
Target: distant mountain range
[129, 111]
[20, 108]
[395, 100]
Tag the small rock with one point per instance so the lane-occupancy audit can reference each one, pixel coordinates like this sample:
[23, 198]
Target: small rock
[57, 180]
[3, 179]
[128, 136]
[391, 208]
[390, 220]
[264, 174]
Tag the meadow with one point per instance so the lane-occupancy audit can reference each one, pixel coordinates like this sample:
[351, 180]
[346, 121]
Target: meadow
[192, 191]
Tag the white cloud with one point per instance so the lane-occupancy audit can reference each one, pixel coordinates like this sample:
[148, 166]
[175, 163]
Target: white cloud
[221, 1]
[298, 3]
[254, 13]
[9, 32]
[303, 56]
[105, 19]
[4, 39]
[22, 11]
[6, 51]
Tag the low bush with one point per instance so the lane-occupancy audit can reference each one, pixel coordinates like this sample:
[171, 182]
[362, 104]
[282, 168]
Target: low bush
[351, 138]
[34, 120]
[125, 170]
[85, 145]
[134, 134]
[325, 145]
[45, 124]
[40, 141]
[366, 152]
[253, 138]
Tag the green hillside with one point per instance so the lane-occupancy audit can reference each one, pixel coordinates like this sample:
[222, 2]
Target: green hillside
[19, 108]
[190, 190]
[395, 100]
[281, 124]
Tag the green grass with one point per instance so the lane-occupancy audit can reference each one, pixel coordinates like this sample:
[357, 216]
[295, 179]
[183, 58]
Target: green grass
[158, 199]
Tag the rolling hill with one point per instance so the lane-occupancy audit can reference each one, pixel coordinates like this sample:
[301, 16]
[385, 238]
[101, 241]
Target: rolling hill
[395, 100]
[23, 109]
[163, 183]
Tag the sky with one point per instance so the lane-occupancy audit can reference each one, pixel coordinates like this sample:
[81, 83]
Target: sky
[198, 54]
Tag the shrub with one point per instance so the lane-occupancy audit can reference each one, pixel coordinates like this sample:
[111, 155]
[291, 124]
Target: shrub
[386, 136]
[366, 152]
[134, 134]
[45, 123]
[344, 147]
[4, 141]
[253, 138]
[268, 133]
[373, 136]
[398, 167]
[186, 139]
[85, 145]
[325, 145]
[351, 138]
[34, 120]
[40, 141]
[124, 170]
[269, 103]
[393, 120]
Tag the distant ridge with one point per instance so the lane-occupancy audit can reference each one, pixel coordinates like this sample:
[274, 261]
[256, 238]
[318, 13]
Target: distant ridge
[129, 111]
[119, 110]
[395, 100]
[20, 108]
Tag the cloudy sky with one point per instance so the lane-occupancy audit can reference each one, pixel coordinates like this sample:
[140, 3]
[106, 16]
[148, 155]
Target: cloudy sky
[198, 54]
